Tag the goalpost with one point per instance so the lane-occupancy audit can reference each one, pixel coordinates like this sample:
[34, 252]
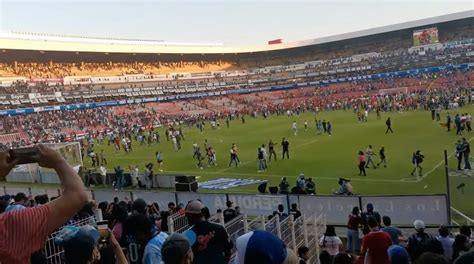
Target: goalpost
[33, 173]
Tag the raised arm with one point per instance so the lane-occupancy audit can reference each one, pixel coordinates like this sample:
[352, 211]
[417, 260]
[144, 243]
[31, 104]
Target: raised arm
[73, 196]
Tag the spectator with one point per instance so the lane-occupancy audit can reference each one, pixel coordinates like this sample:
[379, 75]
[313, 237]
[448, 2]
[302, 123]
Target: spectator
[21, 201]
[466, 230]
[431, 258]
[370, 213]
[330, 241]
[303, 254]
[344, 258]
[229, 213]
[147, 236]
[325, 257]
[165, 214]
[376, 244]
[446, 242]
[35, 224]
[294, 211]
[398, 255]
[216, 248]
[41, 199]
[467, 258]
[176, 250]
[422, 242]
[461, 245]
[353, 244]
[281, 212]
[119, 216]
[264, 248]
[81, 245]
[394, 232]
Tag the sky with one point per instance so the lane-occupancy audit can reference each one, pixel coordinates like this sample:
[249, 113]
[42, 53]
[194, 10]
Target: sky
[232, 22]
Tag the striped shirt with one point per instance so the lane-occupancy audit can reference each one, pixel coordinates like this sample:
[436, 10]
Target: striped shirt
[23, 232]
[152, 253]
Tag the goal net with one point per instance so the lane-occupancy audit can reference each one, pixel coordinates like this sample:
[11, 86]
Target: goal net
[33, 173]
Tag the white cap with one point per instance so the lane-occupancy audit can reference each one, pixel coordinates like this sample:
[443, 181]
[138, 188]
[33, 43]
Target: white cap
[419, 225]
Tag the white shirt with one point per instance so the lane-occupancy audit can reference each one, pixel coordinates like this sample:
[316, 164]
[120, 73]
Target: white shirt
[294, 125]
[331, 244]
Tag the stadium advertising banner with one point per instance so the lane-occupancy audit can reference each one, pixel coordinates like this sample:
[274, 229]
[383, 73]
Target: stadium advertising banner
[336, 208]
[108, 196]
[162, 198]
[432, 209]
[425, 36]
[213, 201]
[253, 204]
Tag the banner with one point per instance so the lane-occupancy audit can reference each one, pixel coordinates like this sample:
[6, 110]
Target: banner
[213, 201]
[108, 196]
[404, 210]
[254, 204]
[162, 198]
[336, 208]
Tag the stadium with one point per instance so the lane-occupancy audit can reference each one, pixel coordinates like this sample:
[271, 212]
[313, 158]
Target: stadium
[377, 118]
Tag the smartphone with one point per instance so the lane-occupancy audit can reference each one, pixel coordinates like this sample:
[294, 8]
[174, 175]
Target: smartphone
[24, 155]
[103, 228]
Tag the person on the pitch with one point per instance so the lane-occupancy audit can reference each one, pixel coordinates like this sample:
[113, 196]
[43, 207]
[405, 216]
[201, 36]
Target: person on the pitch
[382, 157]
[271, 151]
[369, 154]
[459, 153]
[417, 159]
[448, 121]
[361, 165]
[389, 125]
[285, 145]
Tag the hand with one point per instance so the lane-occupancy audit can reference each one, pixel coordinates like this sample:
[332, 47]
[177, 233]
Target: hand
[6, 165]
[48, 157]
[112, 240]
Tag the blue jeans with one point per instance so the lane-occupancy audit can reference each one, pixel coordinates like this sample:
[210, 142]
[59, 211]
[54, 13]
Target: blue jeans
[353, 243]
[467, 164]
[119, 184]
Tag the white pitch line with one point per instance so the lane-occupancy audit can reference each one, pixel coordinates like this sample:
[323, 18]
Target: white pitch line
[247, 162]
[438, 165]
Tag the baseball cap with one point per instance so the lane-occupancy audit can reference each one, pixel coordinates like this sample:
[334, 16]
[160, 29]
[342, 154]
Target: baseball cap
[174, 248]
[260, 247]
[419, 225]
[77, 237]
[398, 255]
[194, 207]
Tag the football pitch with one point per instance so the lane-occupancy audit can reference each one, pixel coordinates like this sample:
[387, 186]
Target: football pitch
[324, 158]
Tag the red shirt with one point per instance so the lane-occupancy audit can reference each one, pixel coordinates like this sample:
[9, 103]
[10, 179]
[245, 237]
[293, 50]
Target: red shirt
[354, 222]
[22, 233]
[377, 244]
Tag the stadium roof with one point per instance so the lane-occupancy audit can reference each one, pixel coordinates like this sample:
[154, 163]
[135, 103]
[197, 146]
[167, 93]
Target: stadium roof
[42, 42]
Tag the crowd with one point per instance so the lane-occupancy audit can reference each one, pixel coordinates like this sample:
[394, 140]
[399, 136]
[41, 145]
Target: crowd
[139, 232]
[312, 70]
[52, 70]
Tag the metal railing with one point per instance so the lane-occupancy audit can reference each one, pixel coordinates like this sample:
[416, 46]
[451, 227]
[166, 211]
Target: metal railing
[54, 252]
[458, 218]
[303, 231]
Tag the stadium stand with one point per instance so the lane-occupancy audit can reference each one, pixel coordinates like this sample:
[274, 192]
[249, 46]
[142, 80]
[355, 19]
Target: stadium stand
[54, 95]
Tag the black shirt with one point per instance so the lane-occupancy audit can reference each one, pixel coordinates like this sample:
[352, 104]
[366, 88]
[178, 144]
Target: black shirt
[229, 214]
[285, 144]
[210, 243]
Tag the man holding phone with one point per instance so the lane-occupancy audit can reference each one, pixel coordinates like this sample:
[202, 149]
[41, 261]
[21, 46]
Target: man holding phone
[23, 232]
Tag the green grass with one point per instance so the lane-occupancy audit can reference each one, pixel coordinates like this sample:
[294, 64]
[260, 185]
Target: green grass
[321, 157]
